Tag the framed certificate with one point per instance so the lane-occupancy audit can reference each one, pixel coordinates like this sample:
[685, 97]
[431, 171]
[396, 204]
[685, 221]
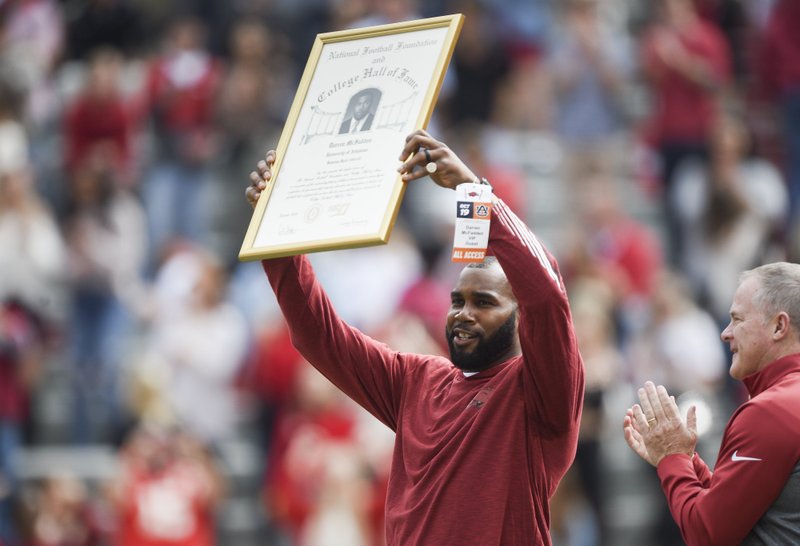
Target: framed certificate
[335, 183]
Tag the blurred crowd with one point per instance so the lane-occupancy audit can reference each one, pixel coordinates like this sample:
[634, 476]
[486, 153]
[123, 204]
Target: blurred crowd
[127, 132]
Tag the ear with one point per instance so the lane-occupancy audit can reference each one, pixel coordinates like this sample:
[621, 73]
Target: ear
[781, 325]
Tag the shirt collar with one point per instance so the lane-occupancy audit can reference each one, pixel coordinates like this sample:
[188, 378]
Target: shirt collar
[489, 372]
[357, 124]
[770, 374]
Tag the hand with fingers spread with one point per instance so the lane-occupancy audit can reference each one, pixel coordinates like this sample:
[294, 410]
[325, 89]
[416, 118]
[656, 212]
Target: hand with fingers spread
[654, 428]
[423, 155]
[260, 178]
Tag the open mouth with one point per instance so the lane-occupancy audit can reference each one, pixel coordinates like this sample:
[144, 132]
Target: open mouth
[463, 338]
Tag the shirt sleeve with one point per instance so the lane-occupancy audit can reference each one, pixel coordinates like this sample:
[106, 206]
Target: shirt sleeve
[701, 470]
[753, 466]
[366, 370]
[553, 374]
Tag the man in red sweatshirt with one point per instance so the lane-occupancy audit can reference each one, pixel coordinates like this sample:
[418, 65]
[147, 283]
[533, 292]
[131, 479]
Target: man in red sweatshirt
[482, 439]
[752, 497]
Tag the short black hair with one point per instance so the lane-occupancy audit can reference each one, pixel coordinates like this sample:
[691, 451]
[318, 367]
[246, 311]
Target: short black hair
[369, 92]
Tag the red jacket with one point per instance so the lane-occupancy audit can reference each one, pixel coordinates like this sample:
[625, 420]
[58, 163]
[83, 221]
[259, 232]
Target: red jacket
[760, 448]
[477, 458]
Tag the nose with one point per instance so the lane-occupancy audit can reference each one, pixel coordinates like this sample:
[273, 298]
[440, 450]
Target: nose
[464, 314]
[726, 334]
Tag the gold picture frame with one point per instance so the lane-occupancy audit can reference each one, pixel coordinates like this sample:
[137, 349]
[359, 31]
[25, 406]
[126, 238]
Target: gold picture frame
[334, 183]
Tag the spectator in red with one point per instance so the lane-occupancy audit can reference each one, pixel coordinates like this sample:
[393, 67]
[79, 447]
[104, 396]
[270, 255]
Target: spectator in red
[687, 64]
[318, 485]
[99, 114]
[181, 92]
[166, 491]
[610, 246]
[181, 96]
[779, 74]
[615, 246]
[271, 376]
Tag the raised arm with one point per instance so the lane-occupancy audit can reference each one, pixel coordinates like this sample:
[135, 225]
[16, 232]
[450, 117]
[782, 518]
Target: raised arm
[753, 466]
[553, 375]
[367, 371]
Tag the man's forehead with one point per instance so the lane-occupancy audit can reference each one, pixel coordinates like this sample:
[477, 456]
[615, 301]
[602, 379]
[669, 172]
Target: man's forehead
[746, 290]
[490, 278]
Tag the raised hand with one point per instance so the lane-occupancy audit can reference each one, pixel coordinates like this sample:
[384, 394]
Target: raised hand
[260, 178]
[654, 429]
[446, 169]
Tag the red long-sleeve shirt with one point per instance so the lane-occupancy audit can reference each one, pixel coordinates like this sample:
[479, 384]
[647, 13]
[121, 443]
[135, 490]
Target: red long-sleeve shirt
[759, 455]
[91, 120]
[684, 110]
[476, 459]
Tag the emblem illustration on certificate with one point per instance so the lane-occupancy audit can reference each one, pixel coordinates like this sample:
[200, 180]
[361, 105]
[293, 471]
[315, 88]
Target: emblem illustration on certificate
[335, 183]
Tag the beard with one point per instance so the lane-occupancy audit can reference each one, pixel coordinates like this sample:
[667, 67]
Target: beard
[488, 351]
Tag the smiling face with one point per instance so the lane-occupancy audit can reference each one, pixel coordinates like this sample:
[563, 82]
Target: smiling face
[749, 332]
[481, 326]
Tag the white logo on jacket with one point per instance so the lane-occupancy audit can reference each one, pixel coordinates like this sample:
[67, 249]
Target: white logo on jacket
[737, 457]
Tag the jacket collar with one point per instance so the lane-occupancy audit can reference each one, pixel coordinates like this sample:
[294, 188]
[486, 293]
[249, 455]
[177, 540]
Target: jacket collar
[770, 374]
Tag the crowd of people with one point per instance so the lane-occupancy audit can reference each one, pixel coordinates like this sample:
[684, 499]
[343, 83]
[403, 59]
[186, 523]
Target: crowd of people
[128, 128]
